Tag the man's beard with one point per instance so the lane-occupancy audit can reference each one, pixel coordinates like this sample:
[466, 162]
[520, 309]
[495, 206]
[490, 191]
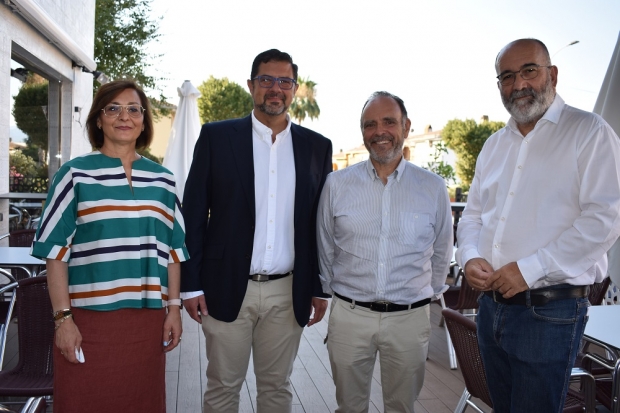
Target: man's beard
[530, 110]
[387, 156]
[273, 110]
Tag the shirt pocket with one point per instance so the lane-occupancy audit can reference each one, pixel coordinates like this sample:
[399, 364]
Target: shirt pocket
[416, 229]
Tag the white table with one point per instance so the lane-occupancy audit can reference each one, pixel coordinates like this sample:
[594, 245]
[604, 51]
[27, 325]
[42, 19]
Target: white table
[602, 330]
[19, 257]
[24, 195]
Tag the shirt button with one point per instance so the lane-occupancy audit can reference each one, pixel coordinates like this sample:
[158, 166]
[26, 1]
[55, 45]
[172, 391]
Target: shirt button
[520, 167]
[512, 193]
[503, 219]
[271, 195]
[273, 172]
[381, 264]
[496, 246]
[268, 247]
[271, 221]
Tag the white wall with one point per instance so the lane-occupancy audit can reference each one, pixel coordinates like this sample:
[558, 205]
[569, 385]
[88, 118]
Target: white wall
[18, 36]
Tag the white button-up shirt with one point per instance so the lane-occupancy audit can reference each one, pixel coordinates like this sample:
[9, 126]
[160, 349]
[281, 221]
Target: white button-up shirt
[274, 190]
[549, 201]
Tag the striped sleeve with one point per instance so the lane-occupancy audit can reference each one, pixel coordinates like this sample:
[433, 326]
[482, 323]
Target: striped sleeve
[58, 222]
[178, 250]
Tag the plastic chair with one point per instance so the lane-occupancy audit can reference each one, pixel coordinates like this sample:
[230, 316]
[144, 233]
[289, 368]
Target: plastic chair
[458, 298]
[598, 290]
[7, 304]
[22, 238]
[463, 332]
[466, 296]
[33, 375]
[608, 385]
[464, 337]
[34, 405]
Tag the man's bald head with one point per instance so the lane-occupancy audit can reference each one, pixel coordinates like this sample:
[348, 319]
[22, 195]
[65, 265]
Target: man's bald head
[523, 42]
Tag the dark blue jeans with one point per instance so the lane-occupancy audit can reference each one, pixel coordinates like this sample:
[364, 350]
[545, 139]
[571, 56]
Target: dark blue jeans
[528, 352]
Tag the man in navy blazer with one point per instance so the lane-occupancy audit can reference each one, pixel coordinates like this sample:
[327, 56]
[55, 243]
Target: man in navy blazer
[250, 212]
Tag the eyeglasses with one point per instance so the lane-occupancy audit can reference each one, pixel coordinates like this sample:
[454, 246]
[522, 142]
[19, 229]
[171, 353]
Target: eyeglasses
[112, 111]
[528, 72]
[285, 83]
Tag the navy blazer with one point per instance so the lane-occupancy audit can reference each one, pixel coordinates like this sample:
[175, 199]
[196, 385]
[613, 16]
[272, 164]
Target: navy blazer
[219, 213]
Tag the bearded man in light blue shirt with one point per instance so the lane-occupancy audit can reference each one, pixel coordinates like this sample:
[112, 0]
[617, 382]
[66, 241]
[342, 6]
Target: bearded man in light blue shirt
[384, 229]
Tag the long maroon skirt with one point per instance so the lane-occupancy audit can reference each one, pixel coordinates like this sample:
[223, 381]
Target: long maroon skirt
[125, 364]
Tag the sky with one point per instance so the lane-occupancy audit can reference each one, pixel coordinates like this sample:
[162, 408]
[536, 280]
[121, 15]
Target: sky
[438, 56]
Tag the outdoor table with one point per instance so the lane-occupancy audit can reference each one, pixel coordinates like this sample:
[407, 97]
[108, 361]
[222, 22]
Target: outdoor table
[28, 205]
[602, 331]
[19, 257]
[24, 195]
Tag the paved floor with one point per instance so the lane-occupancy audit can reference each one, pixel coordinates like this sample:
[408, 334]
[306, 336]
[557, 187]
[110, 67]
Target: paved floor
[313, 387]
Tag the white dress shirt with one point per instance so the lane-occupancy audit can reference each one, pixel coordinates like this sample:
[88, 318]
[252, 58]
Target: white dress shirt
[388, 242]
[549, 201]
[274, 191]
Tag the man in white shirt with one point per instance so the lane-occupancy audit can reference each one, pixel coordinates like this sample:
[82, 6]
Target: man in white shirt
[250, 208]
[541, 212]
[385, 240]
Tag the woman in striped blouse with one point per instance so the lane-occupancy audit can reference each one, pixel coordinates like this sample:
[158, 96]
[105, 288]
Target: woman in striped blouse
[113, 236]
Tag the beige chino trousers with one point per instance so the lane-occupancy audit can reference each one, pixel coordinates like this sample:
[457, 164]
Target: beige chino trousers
[266, 326]
[355, 336]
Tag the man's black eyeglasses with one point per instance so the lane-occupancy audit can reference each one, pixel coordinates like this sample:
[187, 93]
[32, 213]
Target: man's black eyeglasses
[527, 72]
[285, 83]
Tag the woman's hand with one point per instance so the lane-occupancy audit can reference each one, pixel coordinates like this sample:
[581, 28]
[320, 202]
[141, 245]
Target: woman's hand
[68, 339]
[172, 328]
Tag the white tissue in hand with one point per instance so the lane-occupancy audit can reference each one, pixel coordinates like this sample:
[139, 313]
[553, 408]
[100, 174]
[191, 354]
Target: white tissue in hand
[79, 355]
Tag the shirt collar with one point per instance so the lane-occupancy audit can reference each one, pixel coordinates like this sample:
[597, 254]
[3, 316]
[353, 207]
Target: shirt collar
[398, 172]
[263, 131]
[552, 114]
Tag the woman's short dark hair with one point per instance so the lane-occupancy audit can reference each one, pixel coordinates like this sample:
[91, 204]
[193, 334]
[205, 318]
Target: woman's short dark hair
[104, 96]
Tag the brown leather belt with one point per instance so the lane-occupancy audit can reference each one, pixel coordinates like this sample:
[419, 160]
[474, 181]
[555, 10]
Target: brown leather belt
[541, 296]
[268, 277]
[385, 306]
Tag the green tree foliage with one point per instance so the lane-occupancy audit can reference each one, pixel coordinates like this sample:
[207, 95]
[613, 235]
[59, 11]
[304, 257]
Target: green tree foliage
[30, 114]
[123, 28]
[222, 99]
[466, 138]
[439, 167]
[304, 103]
[21, 164]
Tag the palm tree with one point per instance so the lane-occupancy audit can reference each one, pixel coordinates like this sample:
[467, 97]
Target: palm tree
[304, 103]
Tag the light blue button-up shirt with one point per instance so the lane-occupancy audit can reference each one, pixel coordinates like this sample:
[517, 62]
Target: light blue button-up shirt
[388, 242]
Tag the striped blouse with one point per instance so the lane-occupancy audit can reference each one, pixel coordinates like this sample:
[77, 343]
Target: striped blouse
[118, 240]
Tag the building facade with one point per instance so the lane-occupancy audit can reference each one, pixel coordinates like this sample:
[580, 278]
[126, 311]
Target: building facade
[56, 41]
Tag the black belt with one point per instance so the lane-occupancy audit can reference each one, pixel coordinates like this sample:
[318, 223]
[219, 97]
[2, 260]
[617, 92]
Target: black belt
[268, 277]
[541, 296]
[384, 306]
